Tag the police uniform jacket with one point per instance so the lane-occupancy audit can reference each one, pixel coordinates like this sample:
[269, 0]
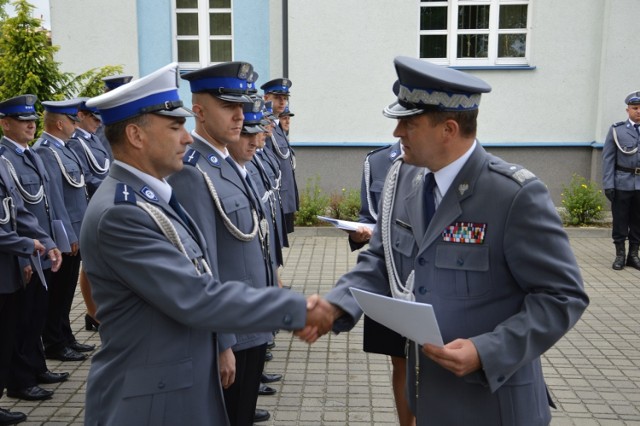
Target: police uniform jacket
[379, 161]
[32, 176]
[97, 149]
[267, 159]
[499, 272]
[237, 260]
[158, 361]
[288, 187]
[17, 235]
[612, 157]
[104, 141]
[75, 199]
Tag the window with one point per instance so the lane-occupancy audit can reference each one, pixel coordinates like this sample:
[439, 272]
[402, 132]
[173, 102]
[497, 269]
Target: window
[204, 32]
[475, 32]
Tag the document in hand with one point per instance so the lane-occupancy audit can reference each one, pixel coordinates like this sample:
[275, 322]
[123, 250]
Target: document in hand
[345, 224]
[416, 321]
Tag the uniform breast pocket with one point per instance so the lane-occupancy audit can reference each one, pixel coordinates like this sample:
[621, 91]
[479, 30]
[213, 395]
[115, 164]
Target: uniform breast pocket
[73, 170]
[462, 270]
[30, 182]
[404, 247]
[238, 209]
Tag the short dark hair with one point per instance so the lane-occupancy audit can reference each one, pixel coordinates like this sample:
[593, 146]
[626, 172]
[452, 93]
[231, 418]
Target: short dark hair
[115, 132]
[467, 120]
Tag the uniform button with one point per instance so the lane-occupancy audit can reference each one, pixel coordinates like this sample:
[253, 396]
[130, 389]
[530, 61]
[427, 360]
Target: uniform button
[421, 261]
[287, 319]
[161, 385]
[500, 379]
[422, 290]
[460, 261]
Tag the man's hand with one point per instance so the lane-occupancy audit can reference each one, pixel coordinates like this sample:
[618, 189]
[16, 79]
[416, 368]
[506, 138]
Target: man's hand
[361, 235]
[320, 317]
[227, 363]
[610, 194]
[38, 248]
[460, 356]
[27, 272]
[74, 249]
[56, 259]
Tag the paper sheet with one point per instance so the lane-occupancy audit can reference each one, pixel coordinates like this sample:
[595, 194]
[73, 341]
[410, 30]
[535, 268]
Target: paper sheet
[60, 236]
[345, 224]
[416, 321]
[37, 265]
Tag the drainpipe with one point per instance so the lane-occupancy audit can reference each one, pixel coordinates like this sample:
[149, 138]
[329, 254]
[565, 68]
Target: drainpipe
[285, 38]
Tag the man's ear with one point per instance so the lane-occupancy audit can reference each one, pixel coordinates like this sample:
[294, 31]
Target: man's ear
[135, 135]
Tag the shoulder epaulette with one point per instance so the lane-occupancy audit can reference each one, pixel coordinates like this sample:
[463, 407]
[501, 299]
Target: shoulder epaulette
[378, 149]
[45, 142]
[513, 171]
[619, 123]
[124, 194]
[191, 157]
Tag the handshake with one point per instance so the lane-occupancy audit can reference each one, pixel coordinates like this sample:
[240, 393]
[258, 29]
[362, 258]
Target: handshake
[320, 317]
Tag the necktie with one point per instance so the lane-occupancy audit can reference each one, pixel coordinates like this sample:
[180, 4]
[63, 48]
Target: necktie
[429, 199]
[637, 127]
[175, 205]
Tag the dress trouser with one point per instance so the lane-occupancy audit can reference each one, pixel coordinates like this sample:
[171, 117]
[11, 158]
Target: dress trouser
[57, 330]
[28, 358]
[241, 397]
[625, 212]
[8, 320]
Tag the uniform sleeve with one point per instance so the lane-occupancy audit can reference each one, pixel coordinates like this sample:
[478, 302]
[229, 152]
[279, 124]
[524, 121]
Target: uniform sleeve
[541, 260]
[609, 152]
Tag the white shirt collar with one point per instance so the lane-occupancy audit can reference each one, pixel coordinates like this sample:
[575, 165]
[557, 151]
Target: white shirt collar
[160, 187]
[224, 154]
[445, 176]
[56, 138]
[20, 147]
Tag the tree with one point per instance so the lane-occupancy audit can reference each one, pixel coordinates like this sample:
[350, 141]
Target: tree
[27, 63]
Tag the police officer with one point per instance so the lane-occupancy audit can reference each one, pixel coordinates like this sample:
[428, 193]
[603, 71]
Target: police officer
[231, 216]
[42, 199]
[66, 172]
[110, 82]
[285, 120]
[621, 182]
[501, 276]
[277, 92]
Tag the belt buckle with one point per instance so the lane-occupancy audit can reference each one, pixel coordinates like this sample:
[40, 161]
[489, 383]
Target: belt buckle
[637, 171]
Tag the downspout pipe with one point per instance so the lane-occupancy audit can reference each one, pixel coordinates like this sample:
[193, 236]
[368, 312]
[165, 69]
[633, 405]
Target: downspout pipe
[285, 38]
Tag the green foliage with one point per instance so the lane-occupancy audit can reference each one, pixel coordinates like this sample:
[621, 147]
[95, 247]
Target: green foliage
[312, 203]
[345, 205]
[583, 201]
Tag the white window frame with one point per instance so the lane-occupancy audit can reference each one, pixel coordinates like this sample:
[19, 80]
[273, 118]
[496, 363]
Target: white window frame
[452, 33]
[204, 33]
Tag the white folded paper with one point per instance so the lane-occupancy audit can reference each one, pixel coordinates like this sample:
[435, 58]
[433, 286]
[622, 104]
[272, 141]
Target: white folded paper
[60, 236]
[416, 321]
[345, 224]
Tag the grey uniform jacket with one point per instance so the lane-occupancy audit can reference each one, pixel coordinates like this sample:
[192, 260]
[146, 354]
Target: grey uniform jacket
[158, 361]
[31, 177]
[237, 260]
[75, 199]
[629, 140]
[510, 283]
[289, 187]
[16, 235]
[93, 155]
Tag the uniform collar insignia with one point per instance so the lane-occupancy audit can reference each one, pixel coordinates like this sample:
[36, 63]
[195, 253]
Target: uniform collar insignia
[214, 160]
[149, 194]
[463, 187]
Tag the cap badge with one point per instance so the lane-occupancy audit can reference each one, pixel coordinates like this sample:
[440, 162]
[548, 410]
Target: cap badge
[244, 71]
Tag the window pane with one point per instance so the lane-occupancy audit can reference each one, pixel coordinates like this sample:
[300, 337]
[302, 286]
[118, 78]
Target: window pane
[220, 23]
[513, 16]
[433, 46]
[188, 51]
[512, 45]
[187, 23]
[219, 4]
[220, 50]
[473, 45]
[186, 4]
[433, 18]
[473, 17]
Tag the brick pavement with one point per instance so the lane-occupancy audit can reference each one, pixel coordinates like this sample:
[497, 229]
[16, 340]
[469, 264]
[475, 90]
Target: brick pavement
[593, 373]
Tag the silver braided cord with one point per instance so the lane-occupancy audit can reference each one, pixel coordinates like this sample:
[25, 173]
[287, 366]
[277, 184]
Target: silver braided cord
[26, 196]
[367, 185]
[92, 160]
[170, 232]
[7, 203]
[277, 150]
[615, 139]
[398, 290]
[66, 175]
[225, 219]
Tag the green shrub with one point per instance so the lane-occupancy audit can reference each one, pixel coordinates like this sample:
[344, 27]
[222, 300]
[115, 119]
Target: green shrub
[583, 201]
[345, 205]
[312, 203]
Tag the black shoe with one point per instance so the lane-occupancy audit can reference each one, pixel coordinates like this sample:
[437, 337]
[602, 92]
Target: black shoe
[268, 356]
[49, 377]
[65, 354]
[80, 347]
[90, 323]
[34, 393]
[270, 378]
[9, 418]
[271, 345]
[261, 415]
[266, 390]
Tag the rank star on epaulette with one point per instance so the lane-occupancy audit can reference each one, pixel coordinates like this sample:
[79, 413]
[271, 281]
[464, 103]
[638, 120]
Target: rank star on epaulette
[465, 232]
[124, 194]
